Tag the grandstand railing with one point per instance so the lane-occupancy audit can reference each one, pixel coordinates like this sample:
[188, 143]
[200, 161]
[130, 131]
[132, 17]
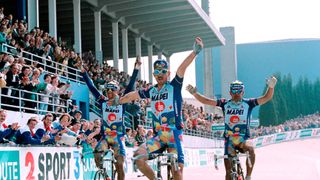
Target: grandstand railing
[93, 106]
[48, 65]
[63, 106]
[200, 133]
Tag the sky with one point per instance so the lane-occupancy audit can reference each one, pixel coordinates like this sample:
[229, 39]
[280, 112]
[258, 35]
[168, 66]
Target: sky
[254, 21]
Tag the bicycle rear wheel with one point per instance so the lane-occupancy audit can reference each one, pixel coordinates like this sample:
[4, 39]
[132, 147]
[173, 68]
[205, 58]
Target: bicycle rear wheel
[240, 173]
[100, 175]
[169, 173]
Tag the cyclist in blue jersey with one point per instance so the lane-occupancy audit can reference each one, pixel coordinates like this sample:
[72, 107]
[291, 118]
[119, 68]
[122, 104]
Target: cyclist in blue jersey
[237, 112]
[166, 104]
[112, 126]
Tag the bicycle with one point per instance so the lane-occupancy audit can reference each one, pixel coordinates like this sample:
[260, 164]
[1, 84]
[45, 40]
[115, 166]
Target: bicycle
[236, 169]
[102, 173]
[162, 159]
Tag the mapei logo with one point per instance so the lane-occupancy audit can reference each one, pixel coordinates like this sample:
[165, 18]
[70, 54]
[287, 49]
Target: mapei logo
[235, 111]
[112, 117]
[234, 119]
[160, 106]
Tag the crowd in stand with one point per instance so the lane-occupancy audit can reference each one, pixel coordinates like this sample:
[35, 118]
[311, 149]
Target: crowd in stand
[303, 122]
[22, 71]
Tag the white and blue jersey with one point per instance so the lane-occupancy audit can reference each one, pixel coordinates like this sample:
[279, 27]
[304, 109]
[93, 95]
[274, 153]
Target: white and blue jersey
[166, 104]
[112, 115]
[237, 115]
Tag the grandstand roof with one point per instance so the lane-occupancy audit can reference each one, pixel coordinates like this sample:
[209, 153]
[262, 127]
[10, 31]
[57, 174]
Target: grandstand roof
[171, 25]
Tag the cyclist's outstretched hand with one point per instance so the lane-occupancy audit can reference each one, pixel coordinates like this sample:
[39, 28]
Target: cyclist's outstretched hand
[192, 90]
[198, 45]
[138, 63]
[114, 101]
[271, 82]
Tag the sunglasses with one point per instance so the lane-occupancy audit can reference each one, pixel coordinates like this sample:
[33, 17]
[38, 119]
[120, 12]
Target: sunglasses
[111, 89]
[161, 71]
[236, 91]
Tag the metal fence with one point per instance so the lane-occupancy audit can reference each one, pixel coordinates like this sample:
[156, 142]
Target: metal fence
[15, 99]
[48, 65]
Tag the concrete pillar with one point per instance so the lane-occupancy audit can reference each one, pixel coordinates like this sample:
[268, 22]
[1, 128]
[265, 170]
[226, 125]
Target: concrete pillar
[97, 36]
[21, 9]
[33, 14]
[52, 6]
[208, 66]
[77, 26]
[150, 63]
[168, 60]
[125, 53]
[115, 43]
[138, 51]
[228, 56]
[159, 54]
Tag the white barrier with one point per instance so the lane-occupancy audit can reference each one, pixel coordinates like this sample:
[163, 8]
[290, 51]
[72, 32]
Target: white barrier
[65, 163]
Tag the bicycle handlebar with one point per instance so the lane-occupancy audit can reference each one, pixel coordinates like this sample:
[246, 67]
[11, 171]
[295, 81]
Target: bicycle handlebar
[155, 155]
[246, 154]
[172, 157]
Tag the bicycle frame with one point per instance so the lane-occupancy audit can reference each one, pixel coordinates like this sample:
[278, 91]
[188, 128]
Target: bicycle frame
[171, 162]
[236, 169]
[103, 173]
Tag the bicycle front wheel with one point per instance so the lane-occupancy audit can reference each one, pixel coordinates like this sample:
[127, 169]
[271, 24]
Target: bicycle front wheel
[100, 175]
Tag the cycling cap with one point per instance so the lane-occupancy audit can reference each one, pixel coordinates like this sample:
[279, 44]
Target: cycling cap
[236, 87]
[112, 86]
[160, 64]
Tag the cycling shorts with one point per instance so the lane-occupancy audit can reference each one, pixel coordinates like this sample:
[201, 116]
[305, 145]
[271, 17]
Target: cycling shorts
[113, 141]
[167, 139]
[232, 143]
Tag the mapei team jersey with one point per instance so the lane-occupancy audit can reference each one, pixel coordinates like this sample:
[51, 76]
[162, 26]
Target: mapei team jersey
[237, 115]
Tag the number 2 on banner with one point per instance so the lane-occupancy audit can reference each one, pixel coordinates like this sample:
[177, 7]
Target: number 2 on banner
[30, 160]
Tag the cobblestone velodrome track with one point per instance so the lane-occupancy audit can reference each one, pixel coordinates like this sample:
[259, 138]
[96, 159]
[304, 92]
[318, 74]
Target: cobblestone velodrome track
[295, 160]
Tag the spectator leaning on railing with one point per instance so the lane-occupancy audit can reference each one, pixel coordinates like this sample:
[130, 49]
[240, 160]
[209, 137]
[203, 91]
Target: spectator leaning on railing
[6, 132]
[44, 128]
[26, 135]
[67, 137]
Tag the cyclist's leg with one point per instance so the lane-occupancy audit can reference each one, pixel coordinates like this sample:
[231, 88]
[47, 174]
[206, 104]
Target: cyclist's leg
[229, 149]
[119, 154]
[98, 157]
[175, 146]
[247, 146]
[152, 145]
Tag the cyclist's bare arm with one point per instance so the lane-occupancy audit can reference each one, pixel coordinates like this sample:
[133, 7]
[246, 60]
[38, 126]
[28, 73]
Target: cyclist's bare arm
[201, 98]
[183, 66]
[129, 97]
[266, 97]
[271, 82]
[205, 100]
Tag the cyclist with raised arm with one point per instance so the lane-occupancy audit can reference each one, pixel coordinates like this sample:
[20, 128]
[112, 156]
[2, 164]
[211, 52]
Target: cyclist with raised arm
[166, 104]
[237, 112]
[112, 129]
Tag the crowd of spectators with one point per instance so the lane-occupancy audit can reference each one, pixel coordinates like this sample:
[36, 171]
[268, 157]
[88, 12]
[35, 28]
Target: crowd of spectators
[302, 122]
[22, 71]
[50, 130]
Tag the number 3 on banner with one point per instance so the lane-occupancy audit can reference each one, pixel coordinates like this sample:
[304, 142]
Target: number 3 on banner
[29, 159]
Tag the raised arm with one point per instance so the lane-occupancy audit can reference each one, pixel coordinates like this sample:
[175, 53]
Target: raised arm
[131, 96]
[197, 47]
[90, 85]
[133, 76]
[204, 100]
[271, 82]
